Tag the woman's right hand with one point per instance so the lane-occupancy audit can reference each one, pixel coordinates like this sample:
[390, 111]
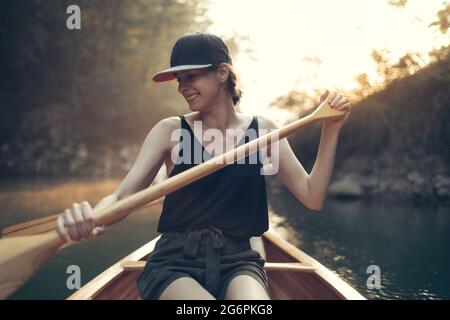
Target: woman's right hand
[77, 223]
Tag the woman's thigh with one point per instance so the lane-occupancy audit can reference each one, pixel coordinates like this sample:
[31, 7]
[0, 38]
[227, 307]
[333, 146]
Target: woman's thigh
[185, 288]
[245, 287]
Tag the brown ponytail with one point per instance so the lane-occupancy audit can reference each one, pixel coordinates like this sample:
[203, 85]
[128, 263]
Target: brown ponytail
[232, 80]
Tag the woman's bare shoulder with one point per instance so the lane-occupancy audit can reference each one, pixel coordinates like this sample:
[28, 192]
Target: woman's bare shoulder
[169, 123]
[160, 134]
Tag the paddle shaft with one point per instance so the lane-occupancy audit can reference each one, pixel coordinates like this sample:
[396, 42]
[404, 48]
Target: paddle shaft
[48, 223]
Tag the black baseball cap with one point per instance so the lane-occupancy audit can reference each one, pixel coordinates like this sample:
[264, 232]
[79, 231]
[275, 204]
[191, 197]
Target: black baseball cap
[195, 51]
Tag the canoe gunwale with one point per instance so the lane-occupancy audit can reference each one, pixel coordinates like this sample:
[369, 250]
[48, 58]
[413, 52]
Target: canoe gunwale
[91, 289]
[326, 276]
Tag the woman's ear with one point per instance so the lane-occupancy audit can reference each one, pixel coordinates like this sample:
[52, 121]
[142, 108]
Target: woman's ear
[223, 72]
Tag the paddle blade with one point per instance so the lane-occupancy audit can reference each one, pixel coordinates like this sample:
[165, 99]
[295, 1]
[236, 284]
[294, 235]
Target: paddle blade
[21, 257]
[31, 227]
[31, 230]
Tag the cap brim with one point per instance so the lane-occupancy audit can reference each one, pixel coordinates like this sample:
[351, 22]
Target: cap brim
[168, 74]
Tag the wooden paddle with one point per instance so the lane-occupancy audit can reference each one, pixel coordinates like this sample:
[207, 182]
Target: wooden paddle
[22, 256]
[45, 224]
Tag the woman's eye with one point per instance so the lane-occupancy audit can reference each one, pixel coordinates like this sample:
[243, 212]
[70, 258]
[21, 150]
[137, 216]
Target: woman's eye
[188, 77]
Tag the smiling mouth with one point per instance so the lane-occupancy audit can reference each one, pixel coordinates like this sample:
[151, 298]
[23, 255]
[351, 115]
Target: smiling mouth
[192, 96]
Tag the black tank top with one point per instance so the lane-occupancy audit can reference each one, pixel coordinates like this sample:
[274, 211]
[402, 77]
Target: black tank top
[232, 199]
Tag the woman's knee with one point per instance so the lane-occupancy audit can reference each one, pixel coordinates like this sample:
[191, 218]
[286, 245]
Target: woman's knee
[185, 288]
[245, 287]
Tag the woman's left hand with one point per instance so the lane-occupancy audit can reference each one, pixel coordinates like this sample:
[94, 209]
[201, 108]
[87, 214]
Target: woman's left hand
[338, 102]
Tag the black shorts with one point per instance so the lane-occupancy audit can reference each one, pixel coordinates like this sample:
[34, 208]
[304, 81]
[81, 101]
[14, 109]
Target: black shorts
[206, 255]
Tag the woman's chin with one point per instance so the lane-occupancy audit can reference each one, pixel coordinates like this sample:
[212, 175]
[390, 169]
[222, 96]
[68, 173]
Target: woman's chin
[195, 106]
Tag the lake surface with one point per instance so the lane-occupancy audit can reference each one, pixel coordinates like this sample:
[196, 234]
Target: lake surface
[410, 243]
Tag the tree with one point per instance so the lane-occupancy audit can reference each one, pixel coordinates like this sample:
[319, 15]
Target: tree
[443, 19]
[97, 79]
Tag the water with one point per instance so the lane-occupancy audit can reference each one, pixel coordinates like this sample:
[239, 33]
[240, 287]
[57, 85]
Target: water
[409, 242]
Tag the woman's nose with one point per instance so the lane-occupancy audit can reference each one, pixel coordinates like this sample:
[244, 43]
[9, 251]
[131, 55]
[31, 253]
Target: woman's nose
[182, 87]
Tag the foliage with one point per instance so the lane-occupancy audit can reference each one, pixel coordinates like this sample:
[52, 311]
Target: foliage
[70, 90]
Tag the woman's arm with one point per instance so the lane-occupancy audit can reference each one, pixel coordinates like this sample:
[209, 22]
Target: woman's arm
[290, 170]
[77, 222]
[311, 189]
[154, 150]
[320, 176]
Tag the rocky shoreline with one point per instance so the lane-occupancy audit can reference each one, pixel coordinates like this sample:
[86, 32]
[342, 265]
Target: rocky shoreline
[352, 181]
[413, 186]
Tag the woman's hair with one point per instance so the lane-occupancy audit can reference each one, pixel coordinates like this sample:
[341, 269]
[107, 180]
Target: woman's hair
[235, 92]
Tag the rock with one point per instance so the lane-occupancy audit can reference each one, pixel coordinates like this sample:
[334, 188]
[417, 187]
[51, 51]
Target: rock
[415, 178]
[370, 183]
[399, 186]
[418, 184]
[362, 164]
[347, 187]
[441, 187]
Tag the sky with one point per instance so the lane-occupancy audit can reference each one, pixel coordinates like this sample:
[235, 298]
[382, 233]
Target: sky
[287, 37]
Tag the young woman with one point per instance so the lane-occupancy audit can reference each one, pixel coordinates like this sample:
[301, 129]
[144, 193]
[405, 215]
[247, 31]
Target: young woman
[210, 228]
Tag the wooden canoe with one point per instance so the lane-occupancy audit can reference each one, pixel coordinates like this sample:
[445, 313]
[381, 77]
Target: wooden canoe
[292, 274]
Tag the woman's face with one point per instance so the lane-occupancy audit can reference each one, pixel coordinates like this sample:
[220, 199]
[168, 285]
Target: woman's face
[200, 87]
